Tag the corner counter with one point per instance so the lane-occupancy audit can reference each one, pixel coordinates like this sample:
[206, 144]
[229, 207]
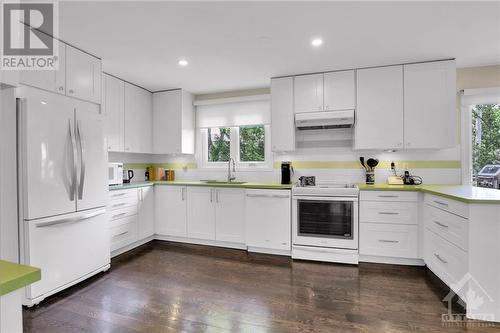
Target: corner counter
[13, 277]
[463, 193]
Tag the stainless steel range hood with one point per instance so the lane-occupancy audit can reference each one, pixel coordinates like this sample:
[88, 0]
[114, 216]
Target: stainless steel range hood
[324, 120]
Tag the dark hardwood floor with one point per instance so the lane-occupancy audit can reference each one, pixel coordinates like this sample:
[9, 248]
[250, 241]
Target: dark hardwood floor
[169, 287]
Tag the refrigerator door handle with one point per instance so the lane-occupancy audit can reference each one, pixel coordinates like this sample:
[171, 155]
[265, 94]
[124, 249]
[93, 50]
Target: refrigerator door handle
[72, 189]
[82, 160]
[74, 219]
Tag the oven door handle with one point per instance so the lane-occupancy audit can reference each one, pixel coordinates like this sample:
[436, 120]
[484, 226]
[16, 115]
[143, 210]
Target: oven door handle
[320, 198]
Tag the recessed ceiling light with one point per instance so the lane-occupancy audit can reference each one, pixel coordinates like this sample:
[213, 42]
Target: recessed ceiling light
[183, 62]
[316, 42]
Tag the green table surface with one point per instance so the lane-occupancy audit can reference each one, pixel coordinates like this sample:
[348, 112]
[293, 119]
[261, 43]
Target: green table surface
[15, 276]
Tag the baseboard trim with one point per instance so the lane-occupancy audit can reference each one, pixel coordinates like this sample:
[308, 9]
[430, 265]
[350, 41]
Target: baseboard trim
[391, 260]
[132, 246]
[269, 251]
[239, 246]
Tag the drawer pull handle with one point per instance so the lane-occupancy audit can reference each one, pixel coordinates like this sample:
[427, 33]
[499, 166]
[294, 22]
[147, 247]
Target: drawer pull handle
[118, 215]
[441, 224]
[441, 203]
[388, 241]
[121, 234]
[387, 196]
[120, 204]
[440, 259]
[118, 195]
[388, 213]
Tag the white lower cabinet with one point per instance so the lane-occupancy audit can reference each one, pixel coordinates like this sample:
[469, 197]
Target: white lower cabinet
[131, 216]
[389, 240]
[201, 213]
[171, 210]
[388, 225]
[229, 209]
[146, 212]
[215, 214]
[268, 220]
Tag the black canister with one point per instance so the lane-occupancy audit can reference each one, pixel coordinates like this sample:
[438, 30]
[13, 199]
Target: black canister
[286, 172]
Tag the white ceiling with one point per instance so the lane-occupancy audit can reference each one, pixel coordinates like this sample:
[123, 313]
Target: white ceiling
[241, 45]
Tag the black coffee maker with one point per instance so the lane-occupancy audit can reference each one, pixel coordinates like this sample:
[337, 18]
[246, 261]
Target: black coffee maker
[286, 172]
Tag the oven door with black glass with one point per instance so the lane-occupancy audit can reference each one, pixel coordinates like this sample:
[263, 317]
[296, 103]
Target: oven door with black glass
[325, 221]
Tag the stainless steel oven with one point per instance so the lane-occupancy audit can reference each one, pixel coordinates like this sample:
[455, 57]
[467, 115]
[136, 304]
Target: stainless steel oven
[325, 221]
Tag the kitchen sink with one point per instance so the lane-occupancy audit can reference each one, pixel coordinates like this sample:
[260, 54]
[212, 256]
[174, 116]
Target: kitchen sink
[213, 181]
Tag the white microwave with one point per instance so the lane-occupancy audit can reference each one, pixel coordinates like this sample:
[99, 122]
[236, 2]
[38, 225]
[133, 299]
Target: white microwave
[115, 173]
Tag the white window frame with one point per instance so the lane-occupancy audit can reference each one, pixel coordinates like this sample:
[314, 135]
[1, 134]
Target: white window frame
[479, 96]
[235, 151]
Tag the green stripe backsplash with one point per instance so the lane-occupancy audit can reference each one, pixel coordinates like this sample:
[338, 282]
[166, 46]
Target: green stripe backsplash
[174, 166]
[437, 164]
[382, 164]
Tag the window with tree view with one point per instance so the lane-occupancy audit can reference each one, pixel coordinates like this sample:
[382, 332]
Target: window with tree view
[485, 136]
[252, 144]
[219, 144]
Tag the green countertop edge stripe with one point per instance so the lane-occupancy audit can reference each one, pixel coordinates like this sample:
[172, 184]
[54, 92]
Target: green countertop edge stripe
[15, 276]
[275, 186]
[424, 189]
[249, 185]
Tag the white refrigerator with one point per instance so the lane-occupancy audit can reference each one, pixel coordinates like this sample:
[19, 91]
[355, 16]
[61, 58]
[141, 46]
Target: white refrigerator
[63, 190]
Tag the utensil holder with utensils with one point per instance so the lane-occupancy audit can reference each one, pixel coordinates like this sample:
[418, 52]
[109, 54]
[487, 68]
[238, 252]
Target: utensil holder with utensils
[369, 167]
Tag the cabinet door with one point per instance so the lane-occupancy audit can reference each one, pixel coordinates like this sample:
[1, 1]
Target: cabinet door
[83, 75]
[114, 113]
[138, 119]
[308, 93]
[379, 114]
[170, 210]
[201, 213]
[282, 115]
[229, 220]
[339, 91]
[268, 219]
[430, 116]
[54, 81]
[146, 212]
[167, 122]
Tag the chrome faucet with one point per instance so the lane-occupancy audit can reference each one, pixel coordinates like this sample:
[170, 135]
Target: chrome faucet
[230, 176]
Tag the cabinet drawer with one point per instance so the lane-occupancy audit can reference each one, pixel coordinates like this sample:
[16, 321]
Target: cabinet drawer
[120, 194]
[119, 214]
[388, 240]
[388, 212]
[124, 234]
[449, 205]
[123, 202]
[446, 260]
[388, 196]
[451, 227]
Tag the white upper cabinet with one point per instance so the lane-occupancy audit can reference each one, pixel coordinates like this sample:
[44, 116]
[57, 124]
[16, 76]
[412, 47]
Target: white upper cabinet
[282, 115]
[114, 116]
[83, 75]
[379, 114]
[339, 91]
[173, 122]
[138, 120]
[430, 116]
[308, 93]
[54, 80]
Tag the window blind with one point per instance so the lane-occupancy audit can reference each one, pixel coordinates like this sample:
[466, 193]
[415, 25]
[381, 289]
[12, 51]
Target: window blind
[233, 114]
